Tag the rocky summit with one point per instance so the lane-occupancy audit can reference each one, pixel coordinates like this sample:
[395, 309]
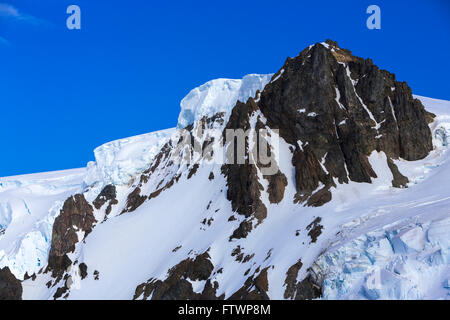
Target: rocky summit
[356, 194]
[336, 109]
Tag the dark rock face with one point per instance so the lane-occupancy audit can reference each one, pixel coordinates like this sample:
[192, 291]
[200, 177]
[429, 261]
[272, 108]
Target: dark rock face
[134, 200]
[319, 198]
[340, 108]
[83, 270]
[76, 215]
[306, 289]
[335, 109]
[244, 189]
[193, 170]
[10, 287]
[277, 185]
[176, 287]
[291, 280]
[108, 194]
[254, 288]
[245, 227]
[315, 229]
[62, 291]
[399, 180]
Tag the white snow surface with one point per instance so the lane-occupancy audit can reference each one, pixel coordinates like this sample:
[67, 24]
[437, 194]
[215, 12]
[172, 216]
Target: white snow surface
[219, 95]
[377, 242]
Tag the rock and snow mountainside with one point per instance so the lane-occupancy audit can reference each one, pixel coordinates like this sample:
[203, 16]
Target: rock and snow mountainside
[28, 207]
[357, 208]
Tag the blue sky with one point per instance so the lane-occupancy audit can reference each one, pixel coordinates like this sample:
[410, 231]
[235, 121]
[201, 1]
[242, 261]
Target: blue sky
[64, 92]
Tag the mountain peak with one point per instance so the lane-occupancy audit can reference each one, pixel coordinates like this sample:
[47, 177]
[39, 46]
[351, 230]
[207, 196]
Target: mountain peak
[336, 109]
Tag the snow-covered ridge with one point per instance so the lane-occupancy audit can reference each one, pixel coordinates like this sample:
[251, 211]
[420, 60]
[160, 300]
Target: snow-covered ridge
[219, 95]
[118, 161]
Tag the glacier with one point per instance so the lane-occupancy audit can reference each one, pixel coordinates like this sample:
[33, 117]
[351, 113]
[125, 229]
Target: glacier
[219, 95]
[400, 262]
[119, 161]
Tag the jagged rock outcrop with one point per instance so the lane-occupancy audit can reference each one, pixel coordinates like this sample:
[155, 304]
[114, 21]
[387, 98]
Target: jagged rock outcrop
[314, 229]
[177, 285]
[291, 279]
[254, 288]
[73, 224]
[244, 188]
[108, 194]
[10, 287]
[83, 270]
[336, 109]
[276, 187]
[134, 200]
[306, 289]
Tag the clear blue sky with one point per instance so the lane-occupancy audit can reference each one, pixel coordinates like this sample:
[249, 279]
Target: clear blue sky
[64, 92]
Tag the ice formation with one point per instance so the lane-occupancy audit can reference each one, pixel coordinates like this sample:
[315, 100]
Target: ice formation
[219, 95]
